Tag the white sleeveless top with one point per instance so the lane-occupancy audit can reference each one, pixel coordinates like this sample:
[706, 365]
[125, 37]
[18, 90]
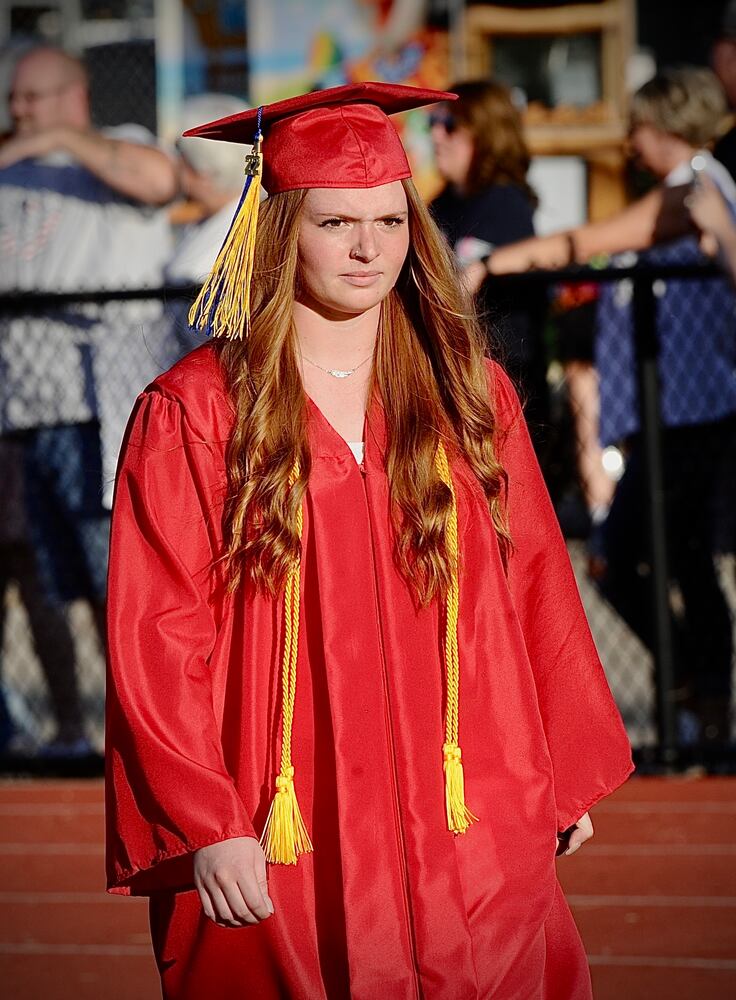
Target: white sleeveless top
[357, 449]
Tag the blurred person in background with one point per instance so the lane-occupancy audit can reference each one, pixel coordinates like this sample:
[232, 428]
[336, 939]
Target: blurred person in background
[714, 216]
[80, 209]
[673, 117]
[723, 61]
[574, 309]
[659, 216]
[49, 628]
[487, 202]
[210, 181]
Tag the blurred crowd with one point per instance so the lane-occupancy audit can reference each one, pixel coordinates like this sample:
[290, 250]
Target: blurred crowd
[96, 211]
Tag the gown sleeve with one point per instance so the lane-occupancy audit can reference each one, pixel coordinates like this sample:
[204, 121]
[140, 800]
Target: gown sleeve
[588, 746]
[168, 790]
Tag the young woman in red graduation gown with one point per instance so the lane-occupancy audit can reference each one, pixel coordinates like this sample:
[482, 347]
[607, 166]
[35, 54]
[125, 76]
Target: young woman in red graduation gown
[337, 583]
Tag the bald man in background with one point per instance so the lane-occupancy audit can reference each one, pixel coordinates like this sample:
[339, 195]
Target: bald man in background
[81, 209]
[49, 109]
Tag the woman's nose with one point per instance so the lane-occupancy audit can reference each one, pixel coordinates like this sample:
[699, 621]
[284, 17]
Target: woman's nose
[366, 246]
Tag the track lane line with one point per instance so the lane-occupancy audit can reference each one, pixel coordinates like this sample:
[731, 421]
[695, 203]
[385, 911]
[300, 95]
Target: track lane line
[665, 807]
[578, 899]
[51, 848]
[42, 898]
[52, 809]
[662, 850]
[662, 962]
[41, 948]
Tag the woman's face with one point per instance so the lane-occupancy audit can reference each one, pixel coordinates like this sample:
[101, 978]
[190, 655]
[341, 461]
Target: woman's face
[649, 145]
[453, 145]
[352, 245]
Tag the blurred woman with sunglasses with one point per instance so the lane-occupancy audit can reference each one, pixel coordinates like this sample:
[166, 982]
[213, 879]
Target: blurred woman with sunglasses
[487, 202]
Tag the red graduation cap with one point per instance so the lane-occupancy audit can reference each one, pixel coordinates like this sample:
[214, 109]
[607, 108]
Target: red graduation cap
[337, 138]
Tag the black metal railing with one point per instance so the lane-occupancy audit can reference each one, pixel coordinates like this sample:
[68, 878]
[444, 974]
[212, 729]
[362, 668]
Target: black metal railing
[656, 734]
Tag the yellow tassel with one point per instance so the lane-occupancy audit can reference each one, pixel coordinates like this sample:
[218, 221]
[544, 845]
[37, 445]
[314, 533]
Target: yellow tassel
[285, 835]
[459, 817]
[222, 308]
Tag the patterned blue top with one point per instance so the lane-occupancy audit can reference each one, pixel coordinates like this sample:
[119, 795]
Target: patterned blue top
[696, 326]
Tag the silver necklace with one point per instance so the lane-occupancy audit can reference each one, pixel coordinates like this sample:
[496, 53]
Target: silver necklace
[338, 372]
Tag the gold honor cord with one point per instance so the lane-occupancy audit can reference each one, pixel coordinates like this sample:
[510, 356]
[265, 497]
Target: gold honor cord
[285, 836]
[459, 817]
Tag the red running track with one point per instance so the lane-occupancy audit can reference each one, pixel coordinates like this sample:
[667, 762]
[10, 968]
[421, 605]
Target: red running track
[654, 895]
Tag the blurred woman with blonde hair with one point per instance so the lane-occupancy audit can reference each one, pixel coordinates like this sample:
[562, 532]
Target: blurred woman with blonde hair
[674, 117]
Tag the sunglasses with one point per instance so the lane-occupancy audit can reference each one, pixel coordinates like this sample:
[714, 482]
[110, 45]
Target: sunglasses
[447, 122]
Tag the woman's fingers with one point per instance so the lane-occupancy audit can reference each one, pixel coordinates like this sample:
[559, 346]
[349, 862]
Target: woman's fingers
[241, 910]
[223, 915]
[583, 831]
[207, 905]
[255, 898]
[224, 902]
[262, 897]
[230, 877]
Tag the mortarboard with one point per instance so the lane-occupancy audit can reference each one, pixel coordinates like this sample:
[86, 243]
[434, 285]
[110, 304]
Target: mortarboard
[337, 138]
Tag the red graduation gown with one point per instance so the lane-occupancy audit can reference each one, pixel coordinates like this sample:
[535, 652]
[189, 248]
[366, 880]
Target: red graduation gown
[390, 904]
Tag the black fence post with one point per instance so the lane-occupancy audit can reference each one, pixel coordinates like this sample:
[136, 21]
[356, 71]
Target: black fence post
[647, 349]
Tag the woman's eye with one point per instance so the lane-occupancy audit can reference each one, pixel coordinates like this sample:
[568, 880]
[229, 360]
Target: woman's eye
[390, 222]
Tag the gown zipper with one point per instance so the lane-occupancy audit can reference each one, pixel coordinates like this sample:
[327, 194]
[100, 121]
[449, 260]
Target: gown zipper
[394, 771]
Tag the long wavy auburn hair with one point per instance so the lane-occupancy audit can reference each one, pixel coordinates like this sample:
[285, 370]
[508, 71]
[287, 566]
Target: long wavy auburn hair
[431, 379]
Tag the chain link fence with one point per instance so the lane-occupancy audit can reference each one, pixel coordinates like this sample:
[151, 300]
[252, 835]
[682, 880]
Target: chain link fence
[71, 366]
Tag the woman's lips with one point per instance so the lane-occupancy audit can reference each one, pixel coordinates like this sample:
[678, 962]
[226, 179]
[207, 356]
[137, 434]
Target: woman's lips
[361, 278]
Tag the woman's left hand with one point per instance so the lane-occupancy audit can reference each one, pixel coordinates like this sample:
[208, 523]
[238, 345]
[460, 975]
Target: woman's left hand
[579, 833]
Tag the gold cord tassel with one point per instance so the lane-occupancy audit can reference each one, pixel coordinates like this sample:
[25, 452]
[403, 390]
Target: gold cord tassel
[285, 836]
[222, 308]
[459, 817]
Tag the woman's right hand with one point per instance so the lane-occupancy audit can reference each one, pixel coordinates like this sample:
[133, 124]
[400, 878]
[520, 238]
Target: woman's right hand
[473, 276]
[230, 877]
[709, 210]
